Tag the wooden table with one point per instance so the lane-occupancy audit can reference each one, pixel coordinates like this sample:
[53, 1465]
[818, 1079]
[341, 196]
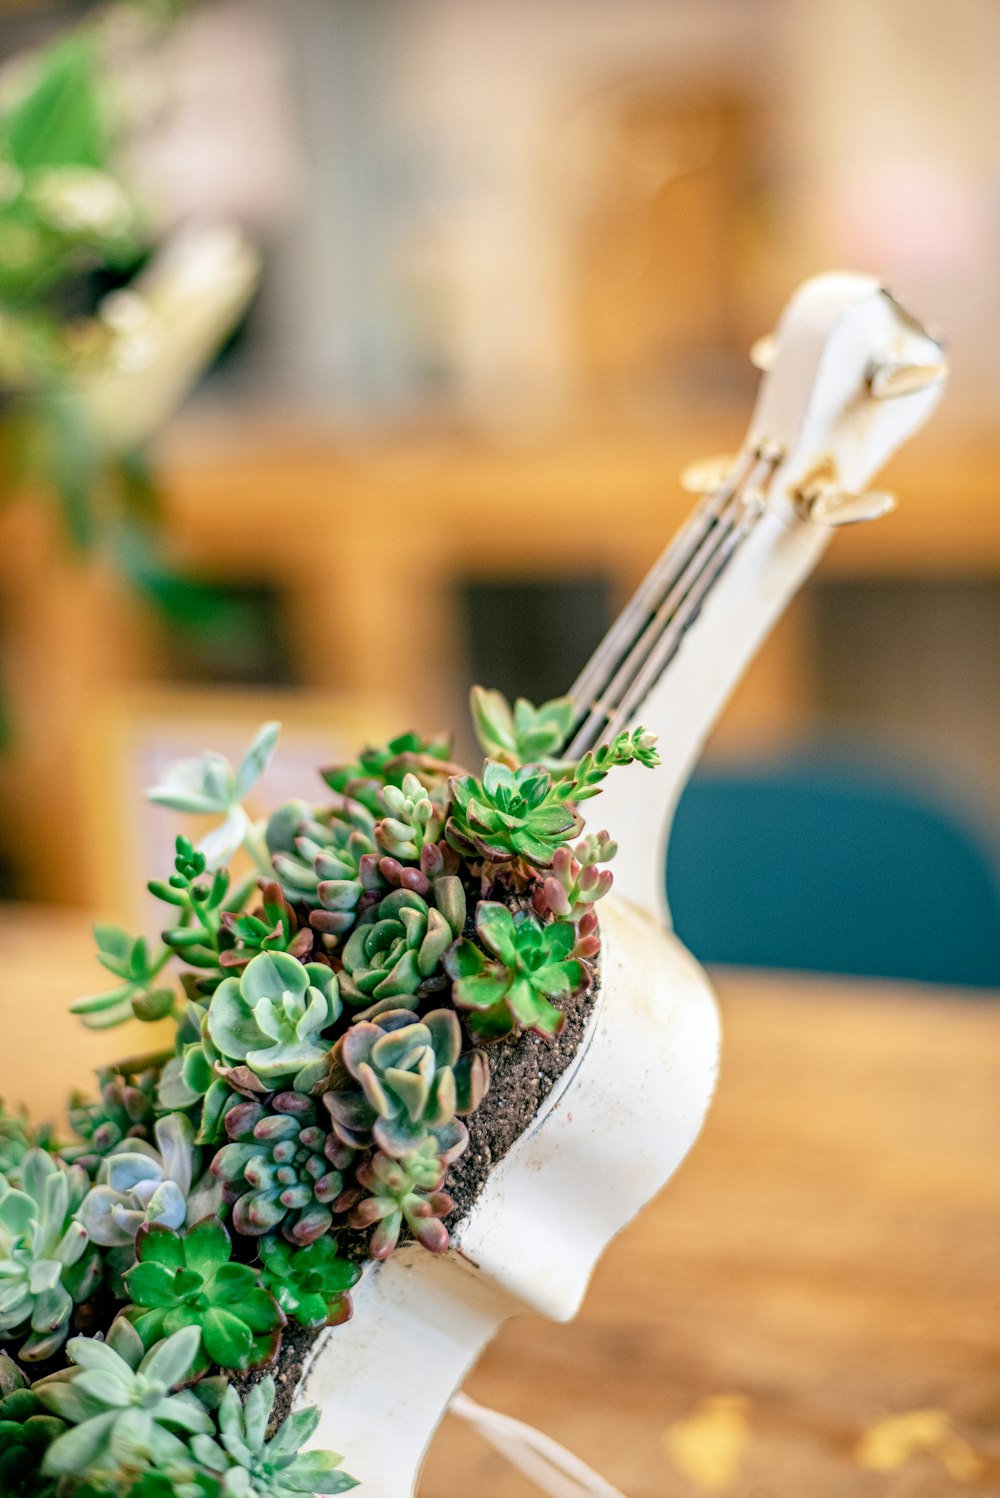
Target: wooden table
[827, 1258]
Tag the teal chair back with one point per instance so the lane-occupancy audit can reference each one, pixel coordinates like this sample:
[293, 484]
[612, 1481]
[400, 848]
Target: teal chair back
[833, 865]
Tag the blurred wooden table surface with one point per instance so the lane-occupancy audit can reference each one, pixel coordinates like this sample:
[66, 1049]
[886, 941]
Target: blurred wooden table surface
[827, 1258]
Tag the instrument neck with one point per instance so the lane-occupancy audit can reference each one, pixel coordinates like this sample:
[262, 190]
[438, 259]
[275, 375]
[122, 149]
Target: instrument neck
[675, 655]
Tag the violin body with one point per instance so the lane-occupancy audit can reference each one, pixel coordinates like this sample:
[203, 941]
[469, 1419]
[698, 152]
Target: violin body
[610, 1134]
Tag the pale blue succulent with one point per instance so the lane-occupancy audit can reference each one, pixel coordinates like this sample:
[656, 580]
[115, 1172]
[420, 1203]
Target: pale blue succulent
[46, 1262]
[208, 785]
[254, 1467]
[119, 1402]
[274, 1018]
[139, 1183]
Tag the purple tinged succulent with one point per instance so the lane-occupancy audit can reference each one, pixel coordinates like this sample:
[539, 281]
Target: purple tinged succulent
[407, 1190]
[282, 1168]
[272, 927]
[411, 1083]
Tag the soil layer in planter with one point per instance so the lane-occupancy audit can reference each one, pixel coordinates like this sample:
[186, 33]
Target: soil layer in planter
[523, 1072]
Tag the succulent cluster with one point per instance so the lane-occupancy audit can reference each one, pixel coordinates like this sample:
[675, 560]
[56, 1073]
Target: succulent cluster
[331, 1029]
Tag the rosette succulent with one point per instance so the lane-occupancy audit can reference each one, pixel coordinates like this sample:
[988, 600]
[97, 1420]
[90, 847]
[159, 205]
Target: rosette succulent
[398, 944]
[281, 1168]
[47, 1264]
[511, 814]
[190, 1280]
[275, 1018]
[124, 1110]
[120, 1405]
[312, 848]
[208, 785]
[524, 735]
[533, 964]
[254, 1467]
[139, 1183]
[312, 1285]
[413, 1082]
[272, 927]
[407, 1190]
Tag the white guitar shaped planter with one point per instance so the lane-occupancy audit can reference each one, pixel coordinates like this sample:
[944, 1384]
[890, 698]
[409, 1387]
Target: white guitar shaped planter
[852, 376]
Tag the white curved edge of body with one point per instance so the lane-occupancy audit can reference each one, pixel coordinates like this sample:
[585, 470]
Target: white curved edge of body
[613, 1131]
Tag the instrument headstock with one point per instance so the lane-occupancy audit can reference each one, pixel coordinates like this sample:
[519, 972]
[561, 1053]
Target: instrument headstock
[849, 376]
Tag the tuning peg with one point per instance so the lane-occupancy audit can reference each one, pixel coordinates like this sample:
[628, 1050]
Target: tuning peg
[706, 475]
[888, 378]
[828, 505]
[762, 352]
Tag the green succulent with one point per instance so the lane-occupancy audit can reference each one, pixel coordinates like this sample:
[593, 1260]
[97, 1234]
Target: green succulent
[254, 1467]
[526, 735]
[413, 1082]
[139, 1183]
[575, 882]
[406, 1190]
[281, 1168]
[397, 945]
[47, 1264]
[139, 994]
[200, 897]
[310, 848]
[534, 963]
[374, 769]
[27, 1430]
[414, 819]
[511, 814]
[275, 1016]
[272, 927]
[312, 1285]
[189, 1280]
[124, 1110]
[529, 813]
[119, 1403]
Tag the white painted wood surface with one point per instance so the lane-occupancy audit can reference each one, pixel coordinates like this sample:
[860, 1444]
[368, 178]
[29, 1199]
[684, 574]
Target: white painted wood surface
[631, 1105]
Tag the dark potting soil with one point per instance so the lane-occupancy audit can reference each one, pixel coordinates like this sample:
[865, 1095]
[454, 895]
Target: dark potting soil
[523, 1072]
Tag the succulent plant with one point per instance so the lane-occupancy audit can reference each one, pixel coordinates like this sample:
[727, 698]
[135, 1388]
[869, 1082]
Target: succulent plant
[27, 1430]
[46, 1262]
[534, 964]
[407, 1190]
[529, 813]
[413, 1082]
[376, 768]
[139, 995]
[575, 881]
[207, 784]
[272, 927]
[199, 896]
[139, 1183]
[511, 814]
[124, 1110]
[526, 735]
[312, 1285]
[189, 1280]
[254, 1467]
[310, 848]
[119, 1403]
[275, 1016]
[414, 819]
[282, 1168]
[398, 944]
